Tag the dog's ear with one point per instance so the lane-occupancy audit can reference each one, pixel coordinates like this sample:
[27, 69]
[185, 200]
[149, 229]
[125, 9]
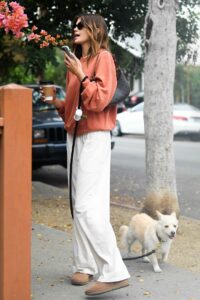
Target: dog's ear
[159, 215]
[174, 214]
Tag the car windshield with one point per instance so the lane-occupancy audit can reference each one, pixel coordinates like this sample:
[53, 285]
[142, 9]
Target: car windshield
[39, 105]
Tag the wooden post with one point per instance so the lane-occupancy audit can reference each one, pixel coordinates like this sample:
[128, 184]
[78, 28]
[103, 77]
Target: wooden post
[1, 124]
[15, 192]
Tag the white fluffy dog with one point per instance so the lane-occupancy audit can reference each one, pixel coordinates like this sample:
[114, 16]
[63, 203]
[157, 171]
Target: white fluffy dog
[151, 234]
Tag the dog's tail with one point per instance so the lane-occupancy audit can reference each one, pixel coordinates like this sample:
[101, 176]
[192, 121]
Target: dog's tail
[123, 231]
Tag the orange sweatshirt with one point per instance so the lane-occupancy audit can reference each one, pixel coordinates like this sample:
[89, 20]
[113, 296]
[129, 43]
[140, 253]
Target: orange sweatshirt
[96, 95]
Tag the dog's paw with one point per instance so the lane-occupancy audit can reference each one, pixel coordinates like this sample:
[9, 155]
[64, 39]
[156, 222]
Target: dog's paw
[164, 259]
[157, 269]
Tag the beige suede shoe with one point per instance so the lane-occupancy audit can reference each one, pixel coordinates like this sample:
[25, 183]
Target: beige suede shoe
[80, 278]
[104, 287]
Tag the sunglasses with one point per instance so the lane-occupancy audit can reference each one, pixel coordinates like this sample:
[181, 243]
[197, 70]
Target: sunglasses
[79, 25]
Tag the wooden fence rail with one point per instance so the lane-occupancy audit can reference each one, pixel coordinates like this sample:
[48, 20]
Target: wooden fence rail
[15, 192]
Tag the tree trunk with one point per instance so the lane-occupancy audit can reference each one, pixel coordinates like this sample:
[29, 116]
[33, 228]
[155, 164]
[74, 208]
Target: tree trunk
[160, 46]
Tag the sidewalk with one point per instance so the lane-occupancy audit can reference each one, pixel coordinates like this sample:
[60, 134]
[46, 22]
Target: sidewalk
[51, 269]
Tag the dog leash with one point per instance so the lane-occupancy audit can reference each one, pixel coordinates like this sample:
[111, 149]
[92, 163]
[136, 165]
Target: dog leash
[73, 145]
[141, 256]
[70, 170]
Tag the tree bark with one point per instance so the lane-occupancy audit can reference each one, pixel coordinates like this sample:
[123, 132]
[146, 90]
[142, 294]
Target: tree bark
[160, 47]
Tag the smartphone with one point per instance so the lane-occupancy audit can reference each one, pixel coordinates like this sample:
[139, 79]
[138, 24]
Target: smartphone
[67, 51]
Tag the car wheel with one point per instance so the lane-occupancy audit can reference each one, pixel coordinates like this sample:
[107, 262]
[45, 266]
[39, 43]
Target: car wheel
[64, 164]
[117, 130]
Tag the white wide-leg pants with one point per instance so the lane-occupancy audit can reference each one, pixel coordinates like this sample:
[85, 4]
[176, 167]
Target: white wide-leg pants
[94, 244]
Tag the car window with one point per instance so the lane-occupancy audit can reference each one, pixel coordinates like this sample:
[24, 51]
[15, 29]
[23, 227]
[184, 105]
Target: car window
[185, 107]
[60, 94]
[38, 105]
[138, 107]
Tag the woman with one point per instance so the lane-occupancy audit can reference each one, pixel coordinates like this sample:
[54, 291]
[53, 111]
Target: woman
[94, 244]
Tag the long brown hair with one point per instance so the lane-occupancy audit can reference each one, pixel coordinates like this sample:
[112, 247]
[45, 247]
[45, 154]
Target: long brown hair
[97, 30]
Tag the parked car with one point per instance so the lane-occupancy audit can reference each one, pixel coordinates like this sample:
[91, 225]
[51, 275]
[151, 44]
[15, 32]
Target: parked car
[48, 133]
[134, 99]
[121, 107]
[186, 121]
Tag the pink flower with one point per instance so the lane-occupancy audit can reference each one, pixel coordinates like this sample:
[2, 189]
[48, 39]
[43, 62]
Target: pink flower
[2, 17]
[34, 28]
[34, 36]
[3, 6]
[14, 20]
[16, 6]
[48, 37]
[44, 44]
[43, 32]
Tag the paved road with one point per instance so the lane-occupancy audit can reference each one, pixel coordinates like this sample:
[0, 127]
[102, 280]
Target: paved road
[128, 172]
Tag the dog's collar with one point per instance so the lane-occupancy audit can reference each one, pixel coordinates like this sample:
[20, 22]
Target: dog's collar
[159, 238]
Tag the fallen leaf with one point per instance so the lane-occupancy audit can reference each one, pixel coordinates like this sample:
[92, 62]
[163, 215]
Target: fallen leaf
[39, 278]
[146, 293]
[39, 236]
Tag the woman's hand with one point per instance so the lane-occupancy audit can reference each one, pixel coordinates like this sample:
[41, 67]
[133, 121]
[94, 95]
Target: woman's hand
[52, 102]
[73, 64]
[55, 101]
